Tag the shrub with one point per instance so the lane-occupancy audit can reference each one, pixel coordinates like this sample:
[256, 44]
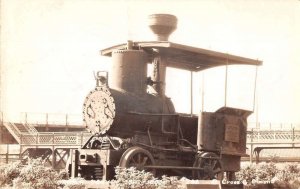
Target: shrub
[132, 178]
[9, 172]
[74, 183]
[33, 175]
[247, 174]
[266, 171]
[38, 175]
[287, 177]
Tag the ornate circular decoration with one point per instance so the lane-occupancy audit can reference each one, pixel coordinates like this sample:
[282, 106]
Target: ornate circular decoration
[99, 110]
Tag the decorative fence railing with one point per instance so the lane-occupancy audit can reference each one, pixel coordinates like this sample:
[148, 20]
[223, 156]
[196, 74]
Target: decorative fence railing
[275, 136]
[76, 138]
[57, 138]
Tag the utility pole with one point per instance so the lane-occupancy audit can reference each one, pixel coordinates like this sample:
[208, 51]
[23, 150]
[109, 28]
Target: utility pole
[1, 111]
[1, 57]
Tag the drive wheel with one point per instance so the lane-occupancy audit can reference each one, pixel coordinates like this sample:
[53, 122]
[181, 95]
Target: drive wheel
[211, 165]
[137, 157]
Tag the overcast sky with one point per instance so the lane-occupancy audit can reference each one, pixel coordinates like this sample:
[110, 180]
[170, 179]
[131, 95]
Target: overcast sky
[50, 48]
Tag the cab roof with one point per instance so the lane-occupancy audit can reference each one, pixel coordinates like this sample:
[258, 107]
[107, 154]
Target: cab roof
[185, 57]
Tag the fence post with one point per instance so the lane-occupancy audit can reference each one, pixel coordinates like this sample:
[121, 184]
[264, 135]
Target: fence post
[67, 117]
[47, 122]
[67, 120]
[37, 140]
[251, 146]
[1, 133]
[2, 118]
[21, 144]
[25, 117]
[1, 129]
[6, 157]
[293, 137]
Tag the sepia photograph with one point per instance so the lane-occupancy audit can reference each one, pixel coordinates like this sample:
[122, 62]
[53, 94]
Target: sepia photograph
[149, 94]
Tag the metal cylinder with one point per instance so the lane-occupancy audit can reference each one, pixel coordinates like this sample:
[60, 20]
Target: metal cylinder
[140, 113]
[162, 25]
[129, 71]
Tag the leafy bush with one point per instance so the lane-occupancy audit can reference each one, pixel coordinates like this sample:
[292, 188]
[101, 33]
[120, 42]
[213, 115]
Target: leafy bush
[33, 175]
[266, 171]
[74, 183]
[247, 174]
[38, 175]
[287, 177]
[9, 172]
[132, 178]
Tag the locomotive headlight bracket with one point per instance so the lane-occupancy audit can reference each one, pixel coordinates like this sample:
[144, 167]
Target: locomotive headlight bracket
[101, 78]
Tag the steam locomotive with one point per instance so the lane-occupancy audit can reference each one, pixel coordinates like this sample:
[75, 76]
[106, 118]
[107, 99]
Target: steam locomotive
[135, 124]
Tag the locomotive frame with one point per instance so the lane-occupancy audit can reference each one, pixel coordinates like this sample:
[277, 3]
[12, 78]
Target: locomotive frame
[132, 127]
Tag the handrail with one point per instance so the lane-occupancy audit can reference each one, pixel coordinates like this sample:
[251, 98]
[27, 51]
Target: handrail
[13, 130]
[30, 128]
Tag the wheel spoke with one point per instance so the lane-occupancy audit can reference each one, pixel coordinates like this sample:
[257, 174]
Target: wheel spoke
[214, 163]
[139, 158]
[145, 160]
[134, 162]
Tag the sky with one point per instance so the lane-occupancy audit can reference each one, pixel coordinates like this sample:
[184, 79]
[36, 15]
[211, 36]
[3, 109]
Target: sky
[50, 49]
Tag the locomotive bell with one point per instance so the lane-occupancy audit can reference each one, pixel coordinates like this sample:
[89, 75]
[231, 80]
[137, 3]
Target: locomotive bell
[129, 71]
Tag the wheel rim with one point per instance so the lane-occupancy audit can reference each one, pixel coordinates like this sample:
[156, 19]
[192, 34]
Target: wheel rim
[212, 168]
[137, 157]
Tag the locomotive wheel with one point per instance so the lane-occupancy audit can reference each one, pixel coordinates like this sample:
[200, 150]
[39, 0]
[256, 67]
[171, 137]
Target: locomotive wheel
[211, 165]
[137, 157]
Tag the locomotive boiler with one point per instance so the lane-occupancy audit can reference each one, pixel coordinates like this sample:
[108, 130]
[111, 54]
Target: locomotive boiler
[133, 122]
[125, 107]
